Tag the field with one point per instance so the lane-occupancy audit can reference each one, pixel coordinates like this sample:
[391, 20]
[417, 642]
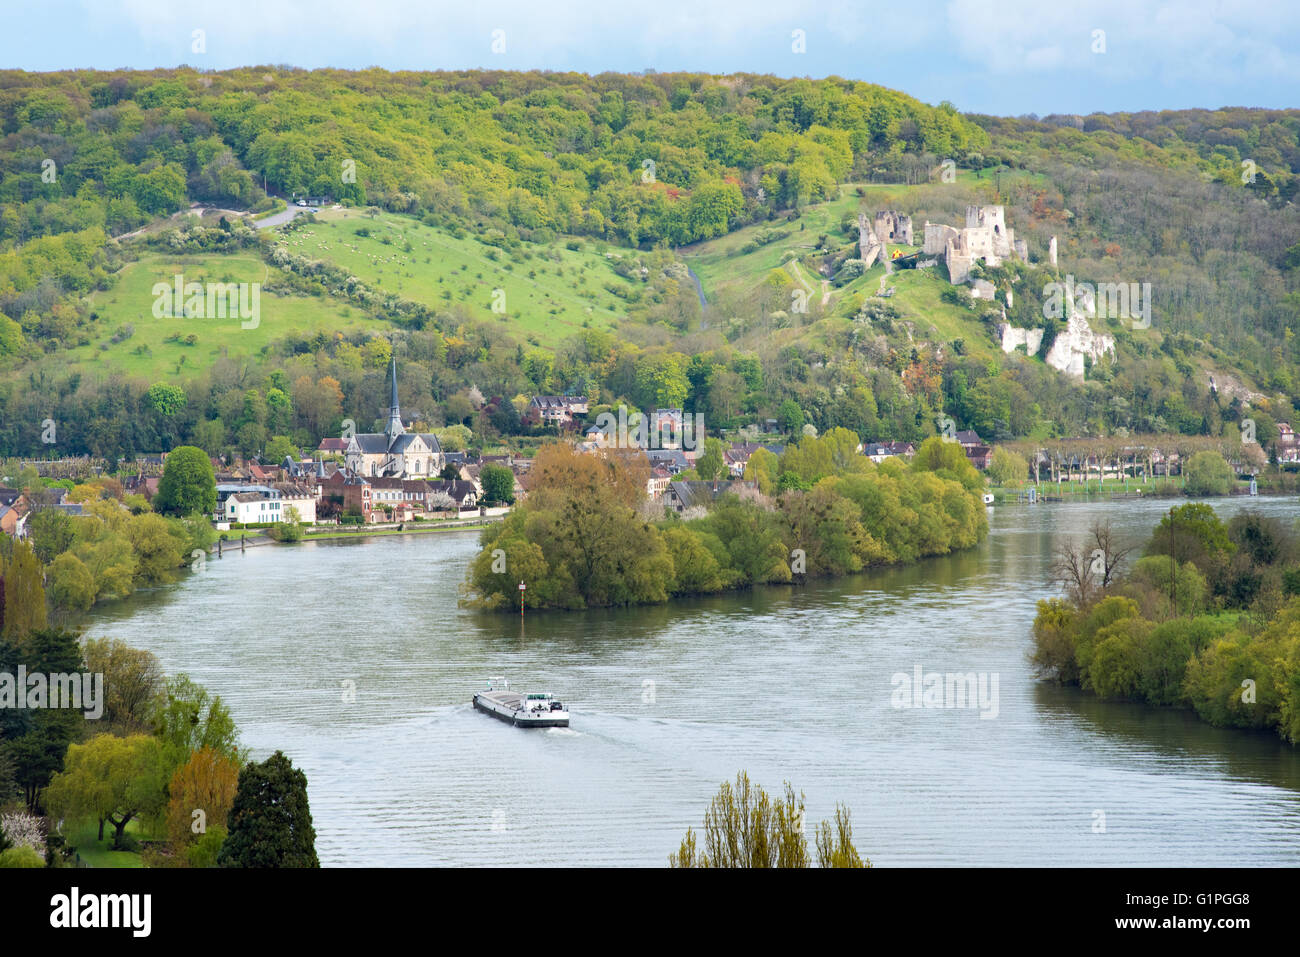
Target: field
[546, 293]
[157, 347]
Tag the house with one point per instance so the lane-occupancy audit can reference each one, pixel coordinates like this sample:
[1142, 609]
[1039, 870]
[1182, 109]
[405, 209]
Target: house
[146, 485]
[674, 460]
[658, 481]
[332, 446]
[264, 473]
[600, 436]
[690, 494]
[879, 451]
[980, 456]
[227, 489]
[299, 497]
[738, 456]
[9, 517]
[394, 452]
[344, 490]
[554, 409]
[464, 494]
[1288, 444]
[262, 504]
[403, 498]
[969, 438]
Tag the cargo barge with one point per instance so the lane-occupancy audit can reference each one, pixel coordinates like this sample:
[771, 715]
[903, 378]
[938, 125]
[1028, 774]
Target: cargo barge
[536, 709]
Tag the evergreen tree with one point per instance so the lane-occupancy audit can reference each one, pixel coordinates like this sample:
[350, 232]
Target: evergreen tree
[270, 822]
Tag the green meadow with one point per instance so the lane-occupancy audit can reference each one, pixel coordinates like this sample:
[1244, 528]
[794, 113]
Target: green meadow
[545, 293]
[127, 336]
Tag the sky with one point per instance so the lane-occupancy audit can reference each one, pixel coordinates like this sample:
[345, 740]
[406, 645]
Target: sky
[1010, 57]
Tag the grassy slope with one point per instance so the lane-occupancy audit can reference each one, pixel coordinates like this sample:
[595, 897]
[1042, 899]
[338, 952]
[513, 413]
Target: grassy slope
[566, 291]
[131, 301]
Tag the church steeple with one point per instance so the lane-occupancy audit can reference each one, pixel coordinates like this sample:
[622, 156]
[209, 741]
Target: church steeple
[394, 428]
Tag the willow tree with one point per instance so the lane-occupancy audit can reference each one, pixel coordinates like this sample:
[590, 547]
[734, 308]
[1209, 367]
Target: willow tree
[747, 827]
[24, 595]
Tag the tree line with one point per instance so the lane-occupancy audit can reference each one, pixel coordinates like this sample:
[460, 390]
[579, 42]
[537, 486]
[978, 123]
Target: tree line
[586, 536]
[1207, 617]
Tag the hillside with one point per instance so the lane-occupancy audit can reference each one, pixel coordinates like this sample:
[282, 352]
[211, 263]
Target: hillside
[547, 292]
[515, 233]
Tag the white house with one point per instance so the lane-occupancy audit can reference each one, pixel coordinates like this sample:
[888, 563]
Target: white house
[272, 505]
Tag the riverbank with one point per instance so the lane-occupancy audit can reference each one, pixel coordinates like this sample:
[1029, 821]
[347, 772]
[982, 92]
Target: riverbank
[1119, 489]
[406, 528]
[253, 538]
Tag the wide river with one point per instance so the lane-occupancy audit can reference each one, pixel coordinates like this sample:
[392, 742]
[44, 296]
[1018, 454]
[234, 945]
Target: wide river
[787, 683]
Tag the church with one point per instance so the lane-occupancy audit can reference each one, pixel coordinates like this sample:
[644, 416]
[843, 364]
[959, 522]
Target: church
[394, 452]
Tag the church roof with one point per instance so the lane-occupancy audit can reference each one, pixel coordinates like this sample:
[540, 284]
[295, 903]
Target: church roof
[380, 443]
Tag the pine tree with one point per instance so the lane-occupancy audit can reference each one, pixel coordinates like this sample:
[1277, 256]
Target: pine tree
[270, 821]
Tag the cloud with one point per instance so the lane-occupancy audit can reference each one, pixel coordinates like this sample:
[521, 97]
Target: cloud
[1232, 41]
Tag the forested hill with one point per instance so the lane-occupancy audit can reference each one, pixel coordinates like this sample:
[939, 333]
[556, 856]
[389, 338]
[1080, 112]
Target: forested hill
[515, 233]
[538, 151]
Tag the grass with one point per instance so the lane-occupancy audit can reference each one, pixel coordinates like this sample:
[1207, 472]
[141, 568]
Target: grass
[550, 291]
[97, 853]
[148, 353]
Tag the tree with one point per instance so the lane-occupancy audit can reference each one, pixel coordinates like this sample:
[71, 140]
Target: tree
[789, 417]
[939, 455]
[1007, 468]
[189, 718]
[51, 533]
[1207, 473]
[763, 467]
[207, 782]
[24, 594]
[746, 827]
[270, 820]
[112, 779]
[710, 464]
[188, 484]
[454, 438]
[290, 528]
[133, 682]
[278, 448]
[498, 484]
[1089, 569]
[166, 399]
[21, 857]
[36, 739]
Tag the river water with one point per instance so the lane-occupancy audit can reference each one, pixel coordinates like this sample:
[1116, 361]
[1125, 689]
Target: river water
[667, 702]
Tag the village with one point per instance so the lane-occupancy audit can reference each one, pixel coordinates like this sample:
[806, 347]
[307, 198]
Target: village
[397, 477]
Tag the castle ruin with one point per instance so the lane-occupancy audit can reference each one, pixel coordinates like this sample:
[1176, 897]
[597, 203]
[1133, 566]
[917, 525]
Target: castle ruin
[985, 237]
[889, 226]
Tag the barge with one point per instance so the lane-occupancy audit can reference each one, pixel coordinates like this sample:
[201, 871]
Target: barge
[536, 709]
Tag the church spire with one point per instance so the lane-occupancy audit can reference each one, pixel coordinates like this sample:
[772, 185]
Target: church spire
[395, 427]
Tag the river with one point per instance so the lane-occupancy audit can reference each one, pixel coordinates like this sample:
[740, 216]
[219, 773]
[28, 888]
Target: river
[669, 701]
